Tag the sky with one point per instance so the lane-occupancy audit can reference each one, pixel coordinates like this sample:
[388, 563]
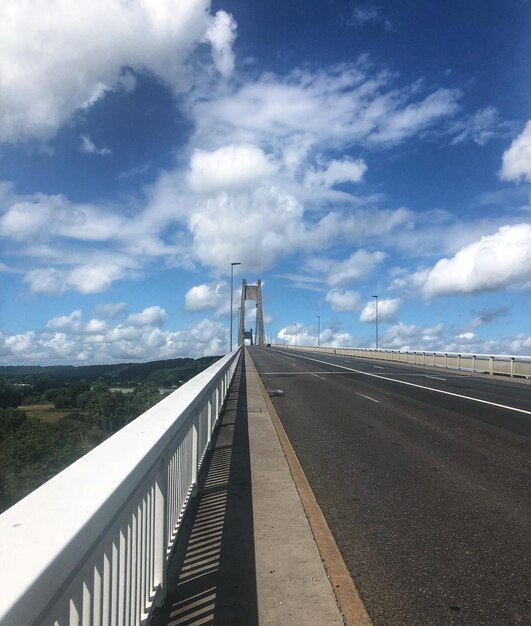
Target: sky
[337, 150]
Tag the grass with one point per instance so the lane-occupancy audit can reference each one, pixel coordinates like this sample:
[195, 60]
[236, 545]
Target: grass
[46, 411]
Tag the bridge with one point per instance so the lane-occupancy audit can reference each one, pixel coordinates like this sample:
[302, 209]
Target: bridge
[292, 485]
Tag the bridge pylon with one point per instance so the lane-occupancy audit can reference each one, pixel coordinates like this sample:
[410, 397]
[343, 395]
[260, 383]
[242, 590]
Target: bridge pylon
[252, 292]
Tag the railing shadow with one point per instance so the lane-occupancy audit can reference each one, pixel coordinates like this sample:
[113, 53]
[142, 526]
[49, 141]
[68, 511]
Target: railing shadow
[212, 576]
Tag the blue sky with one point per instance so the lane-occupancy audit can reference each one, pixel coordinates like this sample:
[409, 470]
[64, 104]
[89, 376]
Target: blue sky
[336, 149]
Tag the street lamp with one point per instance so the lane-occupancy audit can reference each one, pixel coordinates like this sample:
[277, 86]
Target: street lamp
[231, 299]
[376, 301]
[318, 331]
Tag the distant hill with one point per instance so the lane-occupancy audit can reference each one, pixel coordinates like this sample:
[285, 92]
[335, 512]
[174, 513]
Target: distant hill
[166, 372]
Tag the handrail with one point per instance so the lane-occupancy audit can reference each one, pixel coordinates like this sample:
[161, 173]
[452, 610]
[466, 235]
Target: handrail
[499, 364]
[92, 545]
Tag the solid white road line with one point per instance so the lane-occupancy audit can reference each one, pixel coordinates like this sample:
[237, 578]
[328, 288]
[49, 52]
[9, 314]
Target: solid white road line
[405, 382]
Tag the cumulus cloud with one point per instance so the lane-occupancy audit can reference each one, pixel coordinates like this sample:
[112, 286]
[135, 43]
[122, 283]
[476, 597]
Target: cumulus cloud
[150, 316]
[210, 297]
[257, 227]
[39, 217]
[221, 35]
[85, 279]
[111, 310]
[412, 337]
[346, 170]
[516, 160]
[306, 336]
[494, 262]
[93, 41]
[343, 300]
[357, 266]
[68, 339]
[231, 167]
[89, 147]
[387, 310]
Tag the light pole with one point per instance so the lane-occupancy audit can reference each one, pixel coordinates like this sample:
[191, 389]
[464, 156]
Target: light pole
[318, 331]
[376, 301]
[231, 299]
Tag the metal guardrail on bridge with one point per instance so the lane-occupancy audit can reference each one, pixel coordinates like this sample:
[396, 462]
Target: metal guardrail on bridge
[501, 364]
[92, 545]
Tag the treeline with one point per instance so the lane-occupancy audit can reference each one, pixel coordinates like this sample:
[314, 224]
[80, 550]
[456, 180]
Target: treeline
[167, 372]
[73, 417]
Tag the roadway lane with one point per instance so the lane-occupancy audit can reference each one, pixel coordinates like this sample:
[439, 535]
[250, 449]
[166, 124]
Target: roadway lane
[427, 494]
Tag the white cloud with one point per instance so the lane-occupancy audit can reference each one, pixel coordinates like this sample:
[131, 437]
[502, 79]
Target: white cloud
[334, 107]
[258, 227]
[111, 309]
[74, 342]
[44, 83]
[231, 167]
[387, 310]
[305, 336]
[343, 300]
[494, 262]
[211, 296]
[70, 322]
[221, 35]
[88, 147]
[366, 13]
[411, 337]
[516, 160]
[480, 127]
[346, 170]
[85, 279]
[39, 217]
[150, 316]
[358, 265]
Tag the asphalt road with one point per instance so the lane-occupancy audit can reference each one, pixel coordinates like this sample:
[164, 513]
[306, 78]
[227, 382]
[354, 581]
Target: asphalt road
[424, 478]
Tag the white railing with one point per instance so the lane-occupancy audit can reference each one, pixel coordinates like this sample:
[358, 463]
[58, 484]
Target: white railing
[503, 364]
[92, 545]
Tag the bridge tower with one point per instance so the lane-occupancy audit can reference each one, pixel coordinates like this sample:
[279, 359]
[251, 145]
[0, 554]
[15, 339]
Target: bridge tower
[252, 292]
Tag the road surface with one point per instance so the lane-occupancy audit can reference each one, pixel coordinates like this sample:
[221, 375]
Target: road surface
[424, 478]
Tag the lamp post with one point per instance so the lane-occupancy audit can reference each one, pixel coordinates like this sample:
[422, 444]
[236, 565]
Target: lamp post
[231, 299]
[318, 331]
[376, 304]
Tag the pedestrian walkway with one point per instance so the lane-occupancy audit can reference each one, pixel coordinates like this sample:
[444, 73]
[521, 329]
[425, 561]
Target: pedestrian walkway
[246, 555]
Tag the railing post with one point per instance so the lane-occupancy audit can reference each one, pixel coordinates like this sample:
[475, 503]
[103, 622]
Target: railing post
[473, 362]
[195, 452]
[458, 361]
[434, 359]
[161, 531]
[491, 365]
[512, 366]
[446, 360]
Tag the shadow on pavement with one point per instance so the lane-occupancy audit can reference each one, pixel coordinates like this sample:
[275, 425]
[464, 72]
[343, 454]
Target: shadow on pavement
[212, 577]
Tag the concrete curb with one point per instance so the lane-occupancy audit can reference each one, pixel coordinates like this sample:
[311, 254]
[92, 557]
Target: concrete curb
[348, 598]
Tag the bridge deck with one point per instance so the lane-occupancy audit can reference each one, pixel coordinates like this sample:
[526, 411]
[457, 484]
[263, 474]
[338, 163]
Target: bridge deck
[247, 554]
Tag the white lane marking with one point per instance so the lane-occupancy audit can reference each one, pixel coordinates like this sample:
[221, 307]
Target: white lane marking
[405, 382]
[435, 377]
[368, 397]
[379, 367]
[317, 376]
[294, 364]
